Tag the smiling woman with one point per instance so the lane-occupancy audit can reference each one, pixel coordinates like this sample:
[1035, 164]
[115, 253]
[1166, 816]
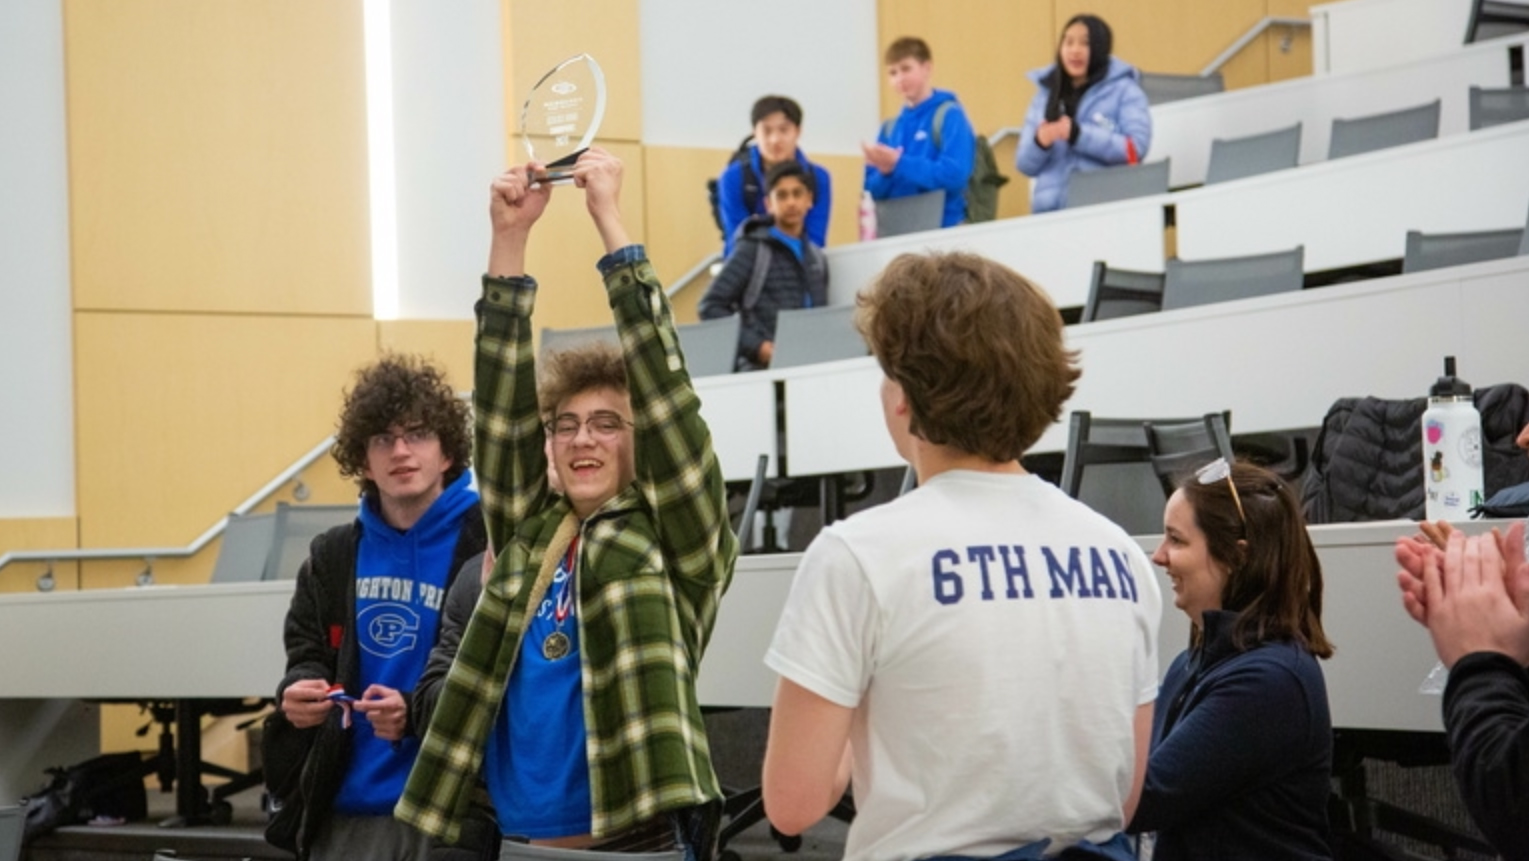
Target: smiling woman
[1241, 761]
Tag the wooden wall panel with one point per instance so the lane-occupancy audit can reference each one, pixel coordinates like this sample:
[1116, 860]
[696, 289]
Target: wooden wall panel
[41, 533]
[982, 50]
[542, 33]
[218, 155]
[447, 343]
[680, 227]
[180, 417]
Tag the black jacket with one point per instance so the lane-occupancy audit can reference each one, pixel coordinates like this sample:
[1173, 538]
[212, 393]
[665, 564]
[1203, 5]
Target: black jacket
[304, 767]
[787, 282]
[1486, 715]
[1368, 460]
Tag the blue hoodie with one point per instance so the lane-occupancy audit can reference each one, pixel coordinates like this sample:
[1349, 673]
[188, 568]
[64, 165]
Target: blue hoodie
[1113, 112]
[400, 587]
[735, 210]
[924, 166]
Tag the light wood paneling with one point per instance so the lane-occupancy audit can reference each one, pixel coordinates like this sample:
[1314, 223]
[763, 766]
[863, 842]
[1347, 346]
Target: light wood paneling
[42, 533]
[180, 417]
[447, 343]
[543, 33]
[981, 49]
[218, 155]
[680, 227]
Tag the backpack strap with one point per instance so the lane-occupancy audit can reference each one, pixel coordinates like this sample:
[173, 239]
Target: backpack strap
[762, 257]
[939, 122]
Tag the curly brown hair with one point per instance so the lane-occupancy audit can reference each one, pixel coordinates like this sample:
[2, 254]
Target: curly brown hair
[401, 390]
[977, 350]
[565, 373]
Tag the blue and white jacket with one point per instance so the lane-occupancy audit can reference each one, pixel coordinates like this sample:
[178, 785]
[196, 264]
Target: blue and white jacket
[1114, 127]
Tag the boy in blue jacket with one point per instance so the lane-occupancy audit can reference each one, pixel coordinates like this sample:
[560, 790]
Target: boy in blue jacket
[929, 145]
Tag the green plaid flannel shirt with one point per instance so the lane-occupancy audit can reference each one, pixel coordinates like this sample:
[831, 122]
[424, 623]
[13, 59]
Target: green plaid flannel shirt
[655, 561]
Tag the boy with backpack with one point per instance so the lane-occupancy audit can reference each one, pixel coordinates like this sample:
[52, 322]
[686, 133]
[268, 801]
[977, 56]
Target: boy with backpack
[930, 145]
[776, 266]
[740, 192]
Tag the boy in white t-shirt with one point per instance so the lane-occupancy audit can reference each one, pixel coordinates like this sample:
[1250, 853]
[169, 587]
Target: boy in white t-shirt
[980, 654]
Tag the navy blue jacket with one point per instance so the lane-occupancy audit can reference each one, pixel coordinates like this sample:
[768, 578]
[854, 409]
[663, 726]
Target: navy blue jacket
[734, 208]
[1241, 761]
[1486, 714]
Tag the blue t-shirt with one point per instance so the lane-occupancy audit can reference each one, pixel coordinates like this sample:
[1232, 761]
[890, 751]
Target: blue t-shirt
[536, 765]
[401, 582]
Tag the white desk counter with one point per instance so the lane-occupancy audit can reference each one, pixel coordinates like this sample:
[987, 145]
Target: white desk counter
[225, 641]
[1055, 250]
[1276, 362]
[1183, 130]
[1358, 209]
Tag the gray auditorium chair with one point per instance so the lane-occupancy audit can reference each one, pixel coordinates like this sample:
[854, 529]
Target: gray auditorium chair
[1088, 187]
[1122, 293]
[911, 214]
[296, 527]
[1523, 245]
[562, 339]
[1493, 18]
[1437, 250]
[1201, 282]
[13, 822]
[710, 346]
[1177, 449]
[246, 544]
[1108, 467]
[1161, 88]
[1235, 158]
[1379, 131]
[1493, 107]
[810, 335]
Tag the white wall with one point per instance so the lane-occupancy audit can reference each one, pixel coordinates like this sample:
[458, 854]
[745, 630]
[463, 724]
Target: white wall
[704, 62]
[449, 127]
[36, 370]
[1356, 35]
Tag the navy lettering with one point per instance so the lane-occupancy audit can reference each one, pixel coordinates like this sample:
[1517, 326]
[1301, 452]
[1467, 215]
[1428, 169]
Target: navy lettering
[1101, 580]
[1123, 574]
[1070, 575]
[947, 583]
[982, 556]
[1016, 569]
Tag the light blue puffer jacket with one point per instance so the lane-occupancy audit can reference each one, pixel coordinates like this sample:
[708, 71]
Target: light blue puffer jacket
[1111, 111]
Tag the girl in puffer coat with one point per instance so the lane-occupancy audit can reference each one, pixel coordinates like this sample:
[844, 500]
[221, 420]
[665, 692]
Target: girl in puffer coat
[1089, 112]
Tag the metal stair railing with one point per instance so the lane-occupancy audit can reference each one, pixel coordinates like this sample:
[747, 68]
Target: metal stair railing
[45, 582]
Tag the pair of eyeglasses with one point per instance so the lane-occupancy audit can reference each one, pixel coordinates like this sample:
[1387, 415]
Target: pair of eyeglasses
[413, 438]
[601, 426]
[1217, 470]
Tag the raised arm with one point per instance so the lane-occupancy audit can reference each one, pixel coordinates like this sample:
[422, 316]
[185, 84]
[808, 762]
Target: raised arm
[676, 466]
[510, 454]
